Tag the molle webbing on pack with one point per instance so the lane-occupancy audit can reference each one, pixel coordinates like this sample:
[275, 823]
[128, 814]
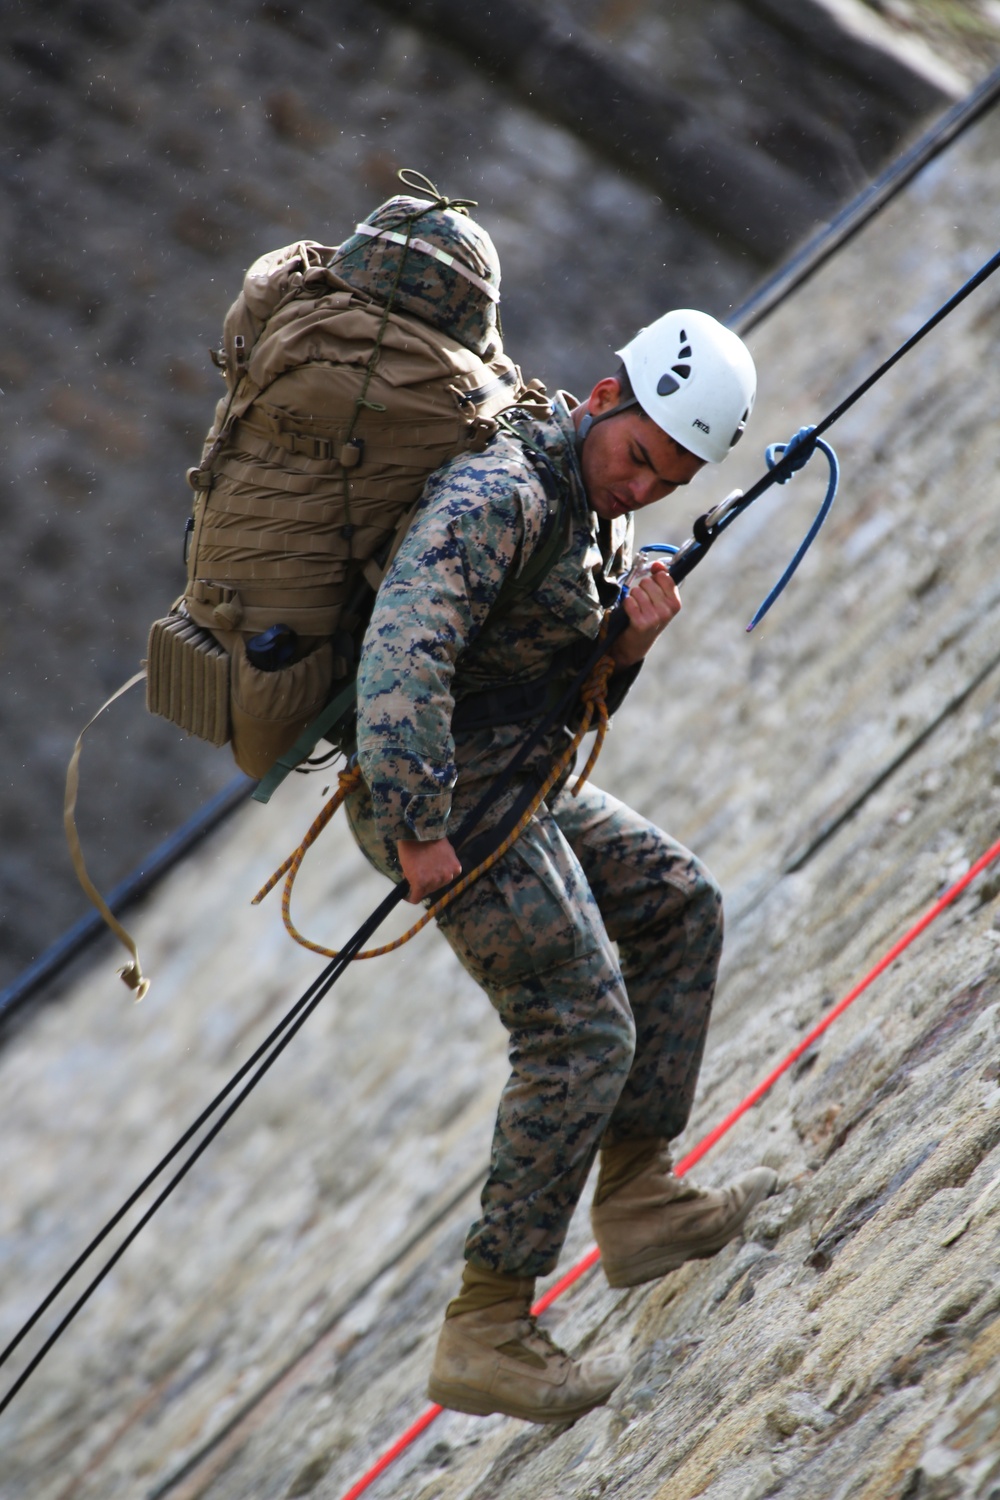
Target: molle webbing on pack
[300, 487]
[342, 397]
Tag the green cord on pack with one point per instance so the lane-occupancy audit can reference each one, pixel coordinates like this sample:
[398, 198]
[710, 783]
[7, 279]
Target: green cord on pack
[423, 184]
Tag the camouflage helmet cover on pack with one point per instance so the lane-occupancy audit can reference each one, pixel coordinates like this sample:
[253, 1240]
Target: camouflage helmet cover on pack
[450, 272]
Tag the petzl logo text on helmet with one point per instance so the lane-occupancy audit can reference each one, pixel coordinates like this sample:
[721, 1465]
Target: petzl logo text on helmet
[701, 426]
[670, 380]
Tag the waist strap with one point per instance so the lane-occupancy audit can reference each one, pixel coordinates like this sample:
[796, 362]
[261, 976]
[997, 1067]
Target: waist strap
[514, 704]
[520, 702]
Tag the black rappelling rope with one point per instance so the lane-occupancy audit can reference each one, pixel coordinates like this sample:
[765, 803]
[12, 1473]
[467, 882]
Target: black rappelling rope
[715, 521]
[706, 530]
[266, 1054]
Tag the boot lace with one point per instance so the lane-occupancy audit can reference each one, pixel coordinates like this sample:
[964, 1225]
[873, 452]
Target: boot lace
[526, 1345]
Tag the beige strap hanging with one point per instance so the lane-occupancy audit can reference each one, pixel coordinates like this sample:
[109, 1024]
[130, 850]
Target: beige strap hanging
[131, 973]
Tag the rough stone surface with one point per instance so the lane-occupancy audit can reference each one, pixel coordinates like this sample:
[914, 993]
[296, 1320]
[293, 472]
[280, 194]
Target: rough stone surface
[269, 1334]
[149, 152]
[753, 117]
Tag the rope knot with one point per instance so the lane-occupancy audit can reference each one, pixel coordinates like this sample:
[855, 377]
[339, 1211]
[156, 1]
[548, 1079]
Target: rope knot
[136, 980]
[349, 779]
[411, 178]
[796, 453]
[595, 686]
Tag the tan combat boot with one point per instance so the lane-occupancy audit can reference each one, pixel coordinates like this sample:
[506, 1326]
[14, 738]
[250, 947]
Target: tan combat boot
[491, 1357]
[647, 1221]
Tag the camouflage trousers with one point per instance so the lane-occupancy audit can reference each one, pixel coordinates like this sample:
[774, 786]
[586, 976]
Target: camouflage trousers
[604, 1046]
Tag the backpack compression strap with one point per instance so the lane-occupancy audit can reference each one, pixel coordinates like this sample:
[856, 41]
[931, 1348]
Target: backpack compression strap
[426, 248]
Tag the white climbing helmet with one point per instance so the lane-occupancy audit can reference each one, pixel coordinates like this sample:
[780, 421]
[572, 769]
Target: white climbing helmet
[695, 378]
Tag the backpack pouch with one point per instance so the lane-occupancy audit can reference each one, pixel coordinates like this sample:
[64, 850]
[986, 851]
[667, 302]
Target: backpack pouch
[187, 678]
[269, 710]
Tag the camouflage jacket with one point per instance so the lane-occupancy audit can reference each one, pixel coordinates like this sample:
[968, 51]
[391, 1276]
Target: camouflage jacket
[431, 641]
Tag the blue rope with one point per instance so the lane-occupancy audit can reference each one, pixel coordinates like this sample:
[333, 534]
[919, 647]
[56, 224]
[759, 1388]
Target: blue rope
[800, 450]
[795, 454]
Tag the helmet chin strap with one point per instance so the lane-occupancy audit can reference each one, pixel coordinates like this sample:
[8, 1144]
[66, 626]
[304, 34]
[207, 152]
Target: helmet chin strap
[588, 420]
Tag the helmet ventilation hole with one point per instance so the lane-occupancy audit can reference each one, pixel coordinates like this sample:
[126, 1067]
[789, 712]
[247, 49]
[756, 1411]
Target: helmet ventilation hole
[668, 383]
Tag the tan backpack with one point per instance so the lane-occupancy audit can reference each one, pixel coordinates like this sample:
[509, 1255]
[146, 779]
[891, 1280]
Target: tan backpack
[351, 375]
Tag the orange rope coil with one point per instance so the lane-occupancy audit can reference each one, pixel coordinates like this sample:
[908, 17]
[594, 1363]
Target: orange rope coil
[593, 696]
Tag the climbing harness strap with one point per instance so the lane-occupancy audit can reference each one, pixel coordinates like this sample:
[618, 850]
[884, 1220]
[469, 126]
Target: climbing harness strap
[593, 695]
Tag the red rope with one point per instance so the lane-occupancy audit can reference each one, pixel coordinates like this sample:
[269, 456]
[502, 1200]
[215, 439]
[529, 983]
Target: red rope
[707, 1142]
[391, 1454]
[925, 921]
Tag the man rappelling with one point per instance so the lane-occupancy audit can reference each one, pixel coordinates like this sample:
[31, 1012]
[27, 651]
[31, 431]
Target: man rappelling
[352, 374]
[372, 418]
[458, 665]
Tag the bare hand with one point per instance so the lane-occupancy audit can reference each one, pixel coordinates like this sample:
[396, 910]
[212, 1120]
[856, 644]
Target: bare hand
[650, 607]
[427, 866]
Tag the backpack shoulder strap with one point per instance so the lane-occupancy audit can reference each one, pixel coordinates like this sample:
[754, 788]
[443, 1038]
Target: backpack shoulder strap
[517, 586]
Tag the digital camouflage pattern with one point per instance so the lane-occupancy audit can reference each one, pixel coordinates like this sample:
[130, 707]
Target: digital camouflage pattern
[602, 1049]
[428, 286]
[480, 518]
[601, 1046]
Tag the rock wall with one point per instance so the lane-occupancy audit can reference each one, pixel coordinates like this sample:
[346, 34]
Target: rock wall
[269, 1334]
[150, 152]
[753, 118]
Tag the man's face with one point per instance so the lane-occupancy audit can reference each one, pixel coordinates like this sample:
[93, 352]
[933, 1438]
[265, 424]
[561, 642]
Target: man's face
[628, 462]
